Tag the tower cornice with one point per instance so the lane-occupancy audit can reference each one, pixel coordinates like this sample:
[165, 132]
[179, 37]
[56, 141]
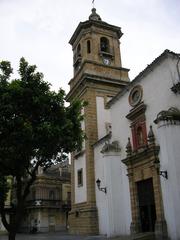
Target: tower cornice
[84, 81]
[111, 68]
[99, 24]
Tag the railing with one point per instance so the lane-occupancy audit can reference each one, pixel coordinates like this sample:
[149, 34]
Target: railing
[40, 203]
[44, 203]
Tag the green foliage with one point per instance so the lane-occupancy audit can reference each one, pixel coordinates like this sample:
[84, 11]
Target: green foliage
[6, 70]
[35, 125]
[36, 129]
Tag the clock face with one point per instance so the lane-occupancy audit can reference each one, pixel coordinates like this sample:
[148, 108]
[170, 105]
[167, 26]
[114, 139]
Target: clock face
[106, 61]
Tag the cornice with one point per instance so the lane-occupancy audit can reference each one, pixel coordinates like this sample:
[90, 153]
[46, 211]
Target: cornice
[136, 111]
[82, 83]
[171, 116]
[97, 64]
[103, 139]
[100, 24]
[141, 155]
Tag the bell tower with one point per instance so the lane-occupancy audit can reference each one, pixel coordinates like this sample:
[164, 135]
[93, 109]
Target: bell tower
[98, 72]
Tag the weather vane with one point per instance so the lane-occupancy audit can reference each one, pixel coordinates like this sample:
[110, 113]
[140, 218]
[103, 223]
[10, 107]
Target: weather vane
[93, 3]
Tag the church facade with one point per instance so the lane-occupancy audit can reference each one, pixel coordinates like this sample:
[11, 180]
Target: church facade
[126, 177]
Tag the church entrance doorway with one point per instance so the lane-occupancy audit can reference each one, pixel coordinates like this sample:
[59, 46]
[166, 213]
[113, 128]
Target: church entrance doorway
[147, 210]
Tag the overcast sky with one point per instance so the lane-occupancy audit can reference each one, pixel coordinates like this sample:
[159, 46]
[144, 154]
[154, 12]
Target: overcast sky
[40, 30]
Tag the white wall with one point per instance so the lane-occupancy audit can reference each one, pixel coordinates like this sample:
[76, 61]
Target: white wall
[101, 198]
[157, 96]
[80, 191]
[117, 196]
[103, 117]
[169, 137]
[114, 206]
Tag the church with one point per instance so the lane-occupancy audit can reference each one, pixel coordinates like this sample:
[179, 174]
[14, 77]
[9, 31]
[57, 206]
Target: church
[125, 180]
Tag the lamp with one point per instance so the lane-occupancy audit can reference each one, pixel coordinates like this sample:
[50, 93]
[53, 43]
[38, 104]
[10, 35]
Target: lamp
[103, 189]
[164, 174]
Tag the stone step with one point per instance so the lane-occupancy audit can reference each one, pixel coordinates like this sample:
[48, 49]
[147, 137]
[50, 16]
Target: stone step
[144, 236]
[139, 236]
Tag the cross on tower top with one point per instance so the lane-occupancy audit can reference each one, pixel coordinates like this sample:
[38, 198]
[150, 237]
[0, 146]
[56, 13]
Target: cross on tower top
[93, 3]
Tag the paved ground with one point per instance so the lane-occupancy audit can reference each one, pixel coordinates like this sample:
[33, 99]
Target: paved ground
[66, 236]
[53, 236]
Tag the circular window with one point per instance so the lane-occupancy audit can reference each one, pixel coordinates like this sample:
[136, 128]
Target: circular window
[135, 95]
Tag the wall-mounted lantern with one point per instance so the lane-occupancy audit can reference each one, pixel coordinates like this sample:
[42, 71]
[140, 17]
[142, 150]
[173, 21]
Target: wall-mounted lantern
[103, 189]
[164, 174]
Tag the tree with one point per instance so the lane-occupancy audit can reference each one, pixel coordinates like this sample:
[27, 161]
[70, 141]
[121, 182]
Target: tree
[36, 129]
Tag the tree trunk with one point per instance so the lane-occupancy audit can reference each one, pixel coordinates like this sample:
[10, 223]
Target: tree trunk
[12, 236]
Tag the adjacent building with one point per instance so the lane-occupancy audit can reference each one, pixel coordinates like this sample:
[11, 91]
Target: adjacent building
[48, 203]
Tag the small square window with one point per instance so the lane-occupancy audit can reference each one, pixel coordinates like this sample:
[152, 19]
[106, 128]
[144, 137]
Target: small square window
[80, 177]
